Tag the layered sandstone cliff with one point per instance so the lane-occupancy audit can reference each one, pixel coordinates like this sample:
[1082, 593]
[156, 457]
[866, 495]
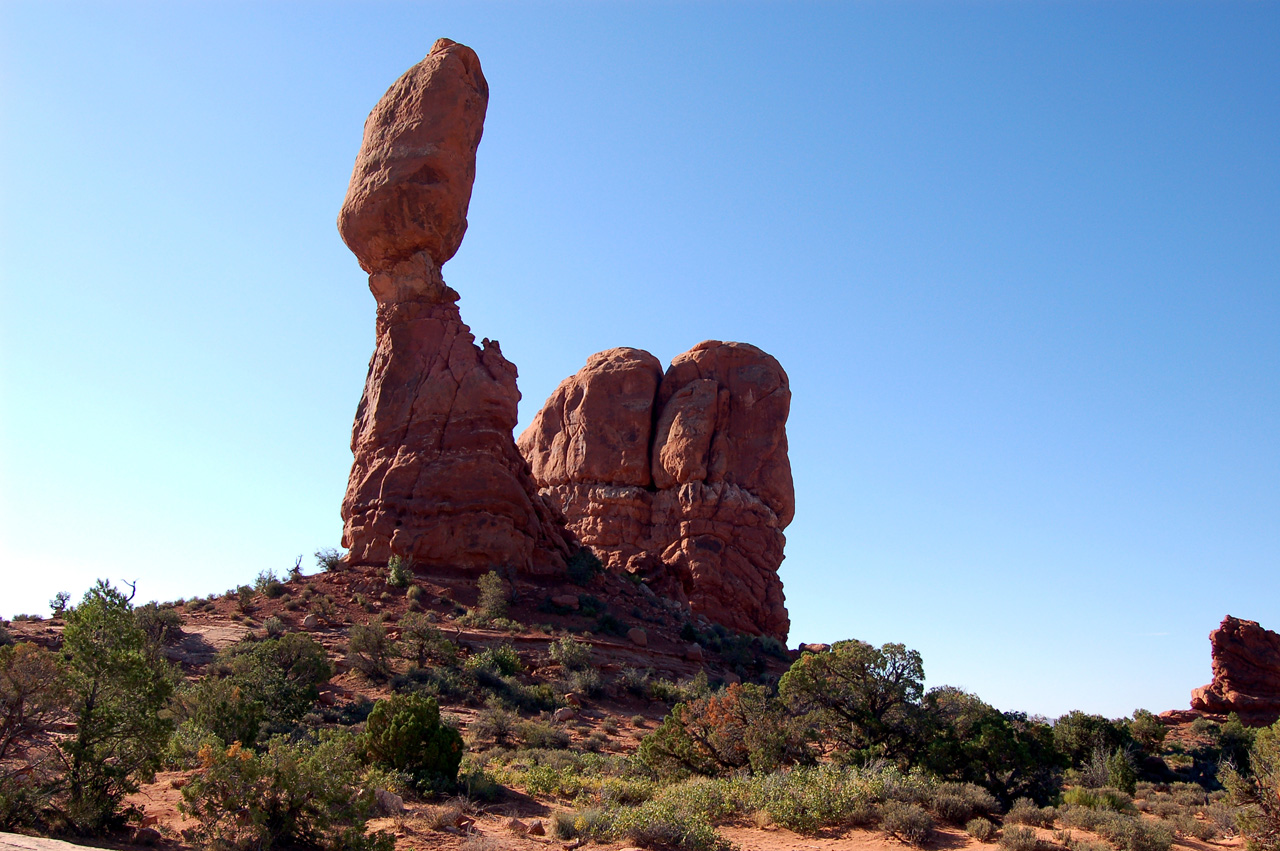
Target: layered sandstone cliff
[682, 476]
[436, 476]
[1246, 673]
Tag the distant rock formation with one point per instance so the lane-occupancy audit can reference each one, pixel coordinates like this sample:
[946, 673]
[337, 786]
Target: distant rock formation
[683, 478]
[1246, 673]
[437, 476]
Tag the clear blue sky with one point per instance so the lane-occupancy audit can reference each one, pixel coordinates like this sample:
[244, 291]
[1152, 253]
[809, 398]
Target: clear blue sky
[1021, 261]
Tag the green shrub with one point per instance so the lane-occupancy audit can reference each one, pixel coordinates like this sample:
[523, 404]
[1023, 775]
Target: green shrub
[1079, 736]
[398, 572]
[1258, 794]
[1189, 826]
[405, 732]
[1099, 799]
[6, 638]
[584, 566]
[1148, 731]
[421, 641]
[293, 795]
[1084, 818]
[908, 822]
[980, 829]
[662, 824]
[958, 803]
[1025, 811]
[1222, 817]
[371, 649]
[1235, 742]
[562, 825]
[863, 699]
[328, 559]
[1008, 753]
[284, 674]
[33, 698]
[500, 659]
[540, 734]
[1121, 773]
[807, 800]
[223, 708]
[495, 723]
[1205, 727]
[609, 624]
[118, 687]
[244, 598]
[635, 680]
[742, 727]
[570, 653]
[682, 691]
[1018, 839]
[585, 682]
[274, 626]
[268, 585]
[1130, 833]
[493, 600]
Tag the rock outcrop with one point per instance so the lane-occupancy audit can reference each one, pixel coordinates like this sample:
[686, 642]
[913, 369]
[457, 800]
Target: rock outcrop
[1246, 673]
[682, 477]
[437, 476]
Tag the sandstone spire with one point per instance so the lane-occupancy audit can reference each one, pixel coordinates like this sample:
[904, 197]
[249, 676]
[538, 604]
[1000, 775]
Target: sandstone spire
[437, 476]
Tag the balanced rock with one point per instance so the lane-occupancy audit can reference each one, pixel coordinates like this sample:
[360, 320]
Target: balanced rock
[682, 477]
[437, 477]
[1246, 673]
[411, 185]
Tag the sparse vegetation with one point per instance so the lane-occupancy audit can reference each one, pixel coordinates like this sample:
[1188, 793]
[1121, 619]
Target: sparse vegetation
[845, 739]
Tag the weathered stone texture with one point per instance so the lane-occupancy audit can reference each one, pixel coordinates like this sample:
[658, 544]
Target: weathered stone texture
[436, 476]
[1246, 673]
[682, 478]
[412, 180]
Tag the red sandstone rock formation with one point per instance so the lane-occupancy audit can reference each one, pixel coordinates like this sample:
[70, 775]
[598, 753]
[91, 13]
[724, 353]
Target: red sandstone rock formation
[411, 184]
[683, 478]
[437, 476]
[1246, 673]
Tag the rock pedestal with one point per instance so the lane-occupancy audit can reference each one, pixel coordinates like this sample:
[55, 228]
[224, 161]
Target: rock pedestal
[437, 477]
